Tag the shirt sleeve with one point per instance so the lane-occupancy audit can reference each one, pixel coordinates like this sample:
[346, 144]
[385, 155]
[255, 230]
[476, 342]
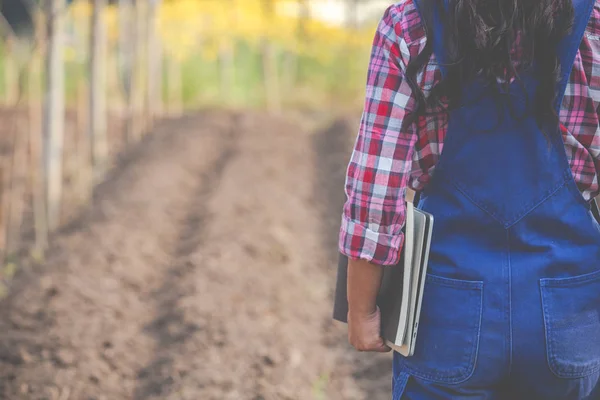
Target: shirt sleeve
[381, 161]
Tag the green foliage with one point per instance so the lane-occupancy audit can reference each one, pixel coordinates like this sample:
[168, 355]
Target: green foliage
[322, 68]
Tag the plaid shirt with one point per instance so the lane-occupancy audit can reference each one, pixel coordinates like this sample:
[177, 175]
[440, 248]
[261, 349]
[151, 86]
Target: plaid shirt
[388, 157]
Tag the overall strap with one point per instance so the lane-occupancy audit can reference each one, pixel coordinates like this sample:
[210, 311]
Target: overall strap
[434, 27]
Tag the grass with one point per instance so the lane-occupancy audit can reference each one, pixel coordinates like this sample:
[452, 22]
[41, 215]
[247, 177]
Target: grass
[319, 388]
[305, 82]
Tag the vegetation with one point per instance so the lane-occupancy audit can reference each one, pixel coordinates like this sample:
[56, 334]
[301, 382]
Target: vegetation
[117, 67]
[220, 48]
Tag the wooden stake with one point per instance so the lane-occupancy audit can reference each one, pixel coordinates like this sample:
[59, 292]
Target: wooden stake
[97, 93]
[17, 187]
[174, 86]
[138, 89]
[126, 62]
[270, 70]
[84, 172]
[271, 77]
[36, 164]
[10, 77]
[227, 61]
[154, 64]
[55, 111]
[227, 57]
[3, 206]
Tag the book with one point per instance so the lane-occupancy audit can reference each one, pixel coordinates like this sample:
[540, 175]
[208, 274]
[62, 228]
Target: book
[402, 285]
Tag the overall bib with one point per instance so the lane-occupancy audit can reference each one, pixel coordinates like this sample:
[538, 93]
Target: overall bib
[511, 307]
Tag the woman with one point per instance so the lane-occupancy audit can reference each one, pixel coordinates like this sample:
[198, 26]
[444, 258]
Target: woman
[509, 90]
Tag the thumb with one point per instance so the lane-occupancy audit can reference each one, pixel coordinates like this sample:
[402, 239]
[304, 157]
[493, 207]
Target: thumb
[382, 347]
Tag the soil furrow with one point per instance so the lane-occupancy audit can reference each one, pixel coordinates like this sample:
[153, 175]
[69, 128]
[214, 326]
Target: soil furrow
[203, 271]
[170, 328]
[85, 309]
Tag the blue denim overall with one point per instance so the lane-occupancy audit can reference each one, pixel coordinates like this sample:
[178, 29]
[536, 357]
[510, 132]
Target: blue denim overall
[511, 307]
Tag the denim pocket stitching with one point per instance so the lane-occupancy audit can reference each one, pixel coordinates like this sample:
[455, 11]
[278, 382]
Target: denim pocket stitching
[549, 283]
[475, 332]
[571, 281]
[454, 283]
[400, 382]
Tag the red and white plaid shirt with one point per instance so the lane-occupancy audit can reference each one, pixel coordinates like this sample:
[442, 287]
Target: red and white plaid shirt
[388, 157]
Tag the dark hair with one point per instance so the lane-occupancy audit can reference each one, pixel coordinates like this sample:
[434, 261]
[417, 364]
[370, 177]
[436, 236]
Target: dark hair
[481, 43]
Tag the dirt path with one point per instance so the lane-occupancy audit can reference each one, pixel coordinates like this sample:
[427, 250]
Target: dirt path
[203, 271]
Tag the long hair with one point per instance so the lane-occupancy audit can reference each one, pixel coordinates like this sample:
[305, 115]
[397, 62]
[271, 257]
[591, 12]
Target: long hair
[494, 41]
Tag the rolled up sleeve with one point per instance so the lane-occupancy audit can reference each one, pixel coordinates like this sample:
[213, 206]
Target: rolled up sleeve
[381, 161]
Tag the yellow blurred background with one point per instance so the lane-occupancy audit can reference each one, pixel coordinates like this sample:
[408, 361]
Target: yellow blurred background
[249, 53]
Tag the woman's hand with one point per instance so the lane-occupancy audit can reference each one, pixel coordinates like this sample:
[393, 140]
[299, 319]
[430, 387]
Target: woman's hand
[364, 332]
[364, 317]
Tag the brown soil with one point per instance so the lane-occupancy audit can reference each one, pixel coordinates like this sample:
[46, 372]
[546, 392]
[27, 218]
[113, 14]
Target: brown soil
[204, 270]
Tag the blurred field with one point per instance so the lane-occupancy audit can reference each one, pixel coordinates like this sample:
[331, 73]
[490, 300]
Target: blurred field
[204, 270]
[199, 262]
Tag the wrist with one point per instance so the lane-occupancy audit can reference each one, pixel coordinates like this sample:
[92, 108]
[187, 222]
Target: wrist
[363, 311]
[363, 285]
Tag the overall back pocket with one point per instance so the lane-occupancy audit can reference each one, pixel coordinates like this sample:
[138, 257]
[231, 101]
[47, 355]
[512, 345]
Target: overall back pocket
[571, 308]
[449, 327]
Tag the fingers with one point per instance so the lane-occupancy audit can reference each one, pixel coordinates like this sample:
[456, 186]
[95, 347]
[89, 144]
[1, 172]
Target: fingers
[364, 332]
[377, 345]
[382, 348]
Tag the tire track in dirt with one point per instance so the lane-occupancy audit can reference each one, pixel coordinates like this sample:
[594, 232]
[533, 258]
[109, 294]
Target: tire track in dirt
[170, 329]
[332, 148]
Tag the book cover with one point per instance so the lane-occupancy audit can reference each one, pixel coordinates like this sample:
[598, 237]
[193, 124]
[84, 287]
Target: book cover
[402, 285]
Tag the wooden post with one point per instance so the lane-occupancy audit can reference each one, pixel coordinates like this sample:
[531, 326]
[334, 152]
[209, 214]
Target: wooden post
[84, 178]
[271, 76]
[35, 111]
[227, 63]
[137, 127]
[36, 164]
[174, 86]
[54, 123]
[9, 99]
[270, 70]
[16, 189]
[15, 186]
[126, 62]
[138, 89]
[97, 92]
[154, 64]
[290, 70]
[115, 100]
[3, 205]
[11, 75]
[84, 173]
[227, 57]
[291, 64]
